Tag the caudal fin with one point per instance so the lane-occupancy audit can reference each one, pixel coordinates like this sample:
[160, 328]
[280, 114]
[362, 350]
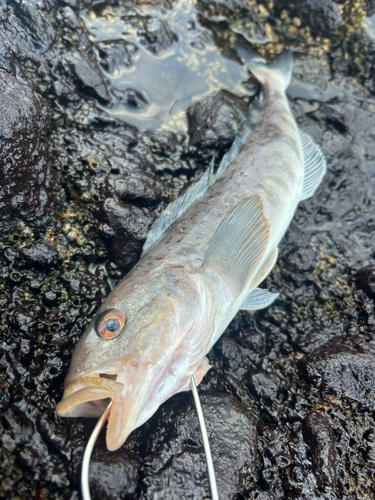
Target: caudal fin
[280, 67]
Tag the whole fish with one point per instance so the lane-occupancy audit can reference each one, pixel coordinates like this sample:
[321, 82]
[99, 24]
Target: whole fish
[201, 263]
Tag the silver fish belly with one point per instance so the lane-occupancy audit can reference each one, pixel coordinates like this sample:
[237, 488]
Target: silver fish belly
[202, 262]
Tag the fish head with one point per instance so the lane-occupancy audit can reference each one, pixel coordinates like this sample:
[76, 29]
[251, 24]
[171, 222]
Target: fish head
[127, 354]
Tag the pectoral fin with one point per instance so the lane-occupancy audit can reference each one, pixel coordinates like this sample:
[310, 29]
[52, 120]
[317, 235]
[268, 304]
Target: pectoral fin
[258, 299]
[239, 244]
[265, 269]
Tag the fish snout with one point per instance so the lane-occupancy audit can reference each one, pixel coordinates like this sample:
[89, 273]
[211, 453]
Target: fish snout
[88, 396]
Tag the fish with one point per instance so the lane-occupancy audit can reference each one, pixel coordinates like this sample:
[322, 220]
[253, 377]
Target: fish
[202, 262]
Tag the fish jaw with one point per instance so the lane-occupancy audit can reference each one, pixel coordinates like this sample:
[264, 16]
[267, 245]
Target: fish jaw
[86, 396]
[130, 391]
[136, 395]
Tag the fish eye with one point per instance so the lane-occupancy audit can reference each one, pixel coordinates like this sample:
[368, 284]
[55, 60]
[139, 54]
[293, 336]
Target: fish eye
[110, 324]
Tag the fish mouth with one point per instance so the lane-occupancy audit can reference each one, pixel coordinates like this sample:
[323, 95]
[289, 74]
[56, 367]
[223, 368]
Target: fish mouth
[89, 396]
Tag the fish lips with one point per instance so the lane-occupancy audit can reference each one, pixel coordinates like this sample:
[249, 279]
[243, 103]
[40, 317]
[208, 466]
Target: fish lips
[86, 396]
[90, 395]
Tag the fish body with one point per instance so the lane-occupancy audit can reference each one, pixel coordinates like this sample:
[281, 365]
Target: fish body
[201, 264]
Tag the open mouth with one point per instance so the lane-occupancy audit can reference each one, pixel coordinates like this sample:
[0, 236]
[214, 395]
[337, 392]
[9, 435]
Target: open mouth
[88, 396]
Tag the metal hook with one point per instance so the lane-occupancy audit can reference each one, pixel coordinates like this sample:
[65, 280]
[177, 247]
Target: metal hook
[206, 444]
[87, 455]
[103, 419]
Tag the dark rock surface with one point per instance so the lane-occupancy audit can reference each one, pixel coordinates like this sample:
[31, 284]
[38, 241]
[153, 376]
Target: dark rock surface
[370, 7]
[232, 11]
[322, 16]
[6, 59]
[343, 368]
[365, 280]
[41, 254]
[114, 475]
[318, 434]
[289, 399]
[176, 456]
[214, 121]
[27, 182]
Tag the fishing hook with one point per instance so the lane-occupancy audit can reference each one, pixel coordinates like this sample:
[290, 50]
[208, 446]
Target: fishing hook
[99, 427]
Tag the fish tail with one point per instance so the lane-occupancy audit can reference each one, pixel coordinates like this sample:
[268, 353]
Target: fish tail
[280, 67]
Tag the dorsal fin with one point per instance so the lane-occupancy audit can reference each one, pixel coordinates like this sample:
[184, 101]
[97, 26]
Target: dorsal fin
[239, 244]
[314, 165]
[175, 209]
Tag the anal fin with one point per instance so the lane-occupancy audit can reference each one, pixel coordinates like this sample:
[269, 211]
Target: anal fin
[239, 244]
[259, 299]
[314, 165]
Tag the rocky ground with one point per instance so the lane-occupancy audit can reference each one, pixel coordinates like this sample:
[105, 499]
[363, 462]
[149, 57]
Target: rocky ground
[289, 402]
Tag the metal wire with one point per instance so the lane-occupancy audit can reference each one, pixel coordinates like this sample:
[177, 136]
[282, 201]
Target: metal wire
[88, 451]
[206, 444]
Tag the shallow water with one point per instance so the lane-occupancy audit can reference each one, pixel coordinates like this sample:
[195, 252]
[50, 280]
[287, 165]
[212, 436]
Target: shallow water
[166, 79]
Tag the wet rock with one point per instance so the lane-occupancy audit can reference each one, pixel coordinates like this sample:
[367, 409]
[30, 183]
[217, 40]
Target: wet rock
[25, 315]
[265, 385]
[322, 16]
[113, 474]
[232, 355]
[42, 254]
[365, 280]
[300, 482]
[6, 59]
[361, 48]
[298, 250]
[88, 77]
[369, 7]
[175, 462]
[235, 10]
[130, 226]
[112, 55]
[167, 149]
[156, 35]
[141, 188]
[228, 8]
[27, 17]
[67, 16]
[131, 98]
[99, 152]
[27, 182]
[343, 367]
[214, 121]
[318, 434]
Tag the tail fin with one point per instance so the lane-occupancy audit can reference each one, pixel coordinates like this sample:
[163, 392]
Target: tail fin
[280, 67]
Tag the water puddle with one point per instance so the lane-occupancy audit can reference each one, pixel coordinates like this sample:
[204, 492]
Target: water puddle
[159, 62]
[369, 25]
